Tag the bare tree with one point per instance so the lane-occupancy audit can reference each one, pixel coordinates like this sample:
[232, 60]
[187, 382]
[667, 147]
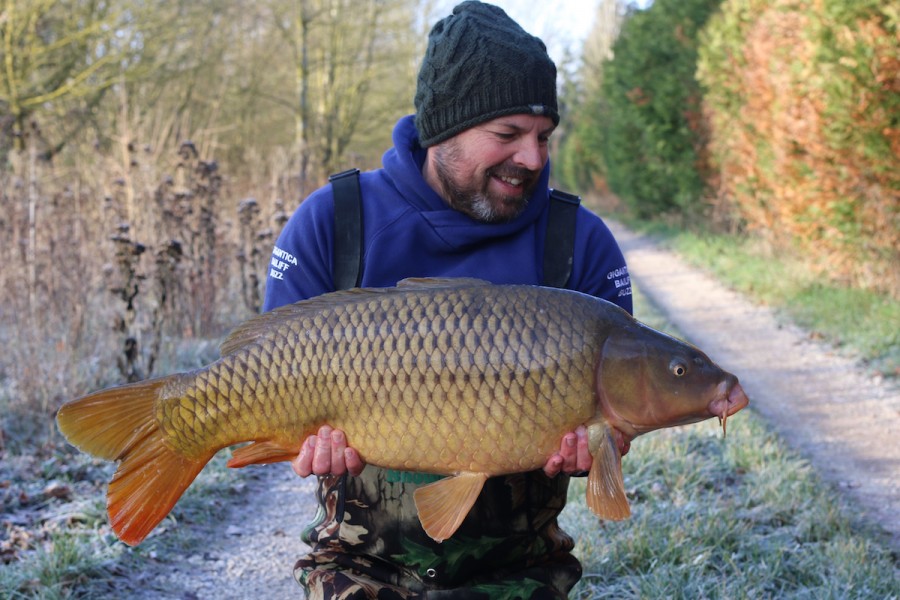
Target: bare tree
[598, 45]
[343, 53]
[58, 59]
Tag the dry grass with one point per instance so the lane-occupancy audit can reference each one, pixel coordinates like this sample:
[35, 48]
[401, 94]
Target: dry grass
[105, 265]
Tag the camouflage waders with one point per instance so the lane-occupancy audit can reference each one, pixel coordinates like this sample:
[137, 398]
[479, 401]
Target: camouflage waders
[368, 543]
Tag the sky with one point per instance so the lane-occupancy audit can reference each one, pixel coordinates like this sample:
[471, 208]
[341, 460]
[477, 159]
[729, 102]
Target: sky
[560, 23]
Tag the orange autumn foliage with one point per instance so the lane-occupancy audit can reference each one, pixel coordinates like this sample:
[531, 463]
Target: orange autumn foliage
[803, 96]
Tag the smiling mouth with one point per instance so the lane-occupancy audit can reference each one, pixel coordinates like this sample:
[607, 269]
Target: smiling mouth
[514, 177]
[513, 181]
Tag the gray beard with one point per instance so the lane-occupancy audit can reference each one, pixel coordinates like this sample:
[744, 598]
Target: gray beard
[474, 202]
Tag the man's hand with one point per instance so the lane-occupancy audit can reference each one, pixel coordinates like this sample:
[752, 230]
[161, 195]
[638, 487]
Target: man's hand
[327, 454]
[573, 456]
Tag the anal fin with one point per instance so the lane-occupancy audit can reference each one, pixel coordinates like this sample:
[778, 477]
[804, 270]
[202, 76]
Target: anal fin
[260, 453]
[444, 504]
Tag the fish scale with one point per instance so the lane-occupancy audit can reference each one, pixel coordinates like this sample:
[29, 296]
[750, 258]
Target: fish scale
[455, 377]
[418, 327]
[476, 338]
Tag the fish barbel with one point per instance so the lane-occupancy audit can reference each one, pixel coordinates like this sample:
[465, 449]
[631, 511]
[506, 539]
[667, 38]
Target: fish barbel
[454, 376]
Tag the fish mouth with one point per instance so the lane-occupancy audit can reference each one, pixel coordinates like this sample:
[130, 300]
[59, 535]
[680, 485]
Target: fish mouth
[731, 400]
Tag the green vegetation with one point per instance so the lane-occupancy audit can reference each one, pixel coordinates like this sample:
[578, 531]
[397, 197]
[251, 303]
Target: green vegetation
[646, 120]
[772, 118]
[715, 517]
[802, 101]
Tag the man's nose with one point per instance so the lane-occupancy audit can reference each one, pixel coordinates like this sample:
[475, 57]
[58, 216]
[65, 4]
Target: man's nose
[530, 154]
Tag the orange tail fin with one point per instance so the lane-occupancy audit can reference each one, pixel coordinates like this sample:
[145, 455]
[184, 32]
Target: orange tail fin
[120, 424]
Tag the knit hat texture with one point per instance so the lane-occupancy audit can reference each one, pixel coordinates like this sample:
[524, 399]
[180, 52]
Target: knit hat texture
[480, 65]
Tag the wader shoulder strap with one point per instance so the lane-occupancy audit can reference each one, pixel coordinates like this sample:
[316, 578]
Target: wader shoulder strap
[559, 243]
[347, 229]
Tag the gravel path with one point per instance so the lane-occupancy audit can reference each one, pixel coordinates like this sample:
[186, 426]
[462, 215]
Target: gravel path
[846, 422]
[254, 558]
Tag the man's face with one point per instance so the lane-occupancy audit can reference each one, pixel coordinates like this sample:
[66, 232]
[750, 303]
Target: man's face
[490, 170]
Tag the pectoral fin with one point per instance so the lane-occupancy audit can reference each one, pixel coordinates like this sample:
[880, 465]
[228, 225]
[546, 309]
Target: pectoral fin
[259, 453]
[606, 488]
[444, 504]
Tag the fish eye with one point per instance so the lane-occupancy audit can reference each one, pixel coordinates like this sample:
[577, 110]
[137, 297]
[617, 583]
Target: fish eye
[678, 368]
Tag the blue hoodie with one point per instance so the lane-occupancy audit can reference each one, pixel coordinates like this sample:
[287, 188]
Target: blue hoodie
[410, 231]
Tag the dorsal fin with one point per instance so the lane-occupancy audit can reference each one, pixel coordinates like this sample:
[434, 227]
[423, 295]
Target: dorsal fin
[256, 327]
[439, 282]
[250, 330]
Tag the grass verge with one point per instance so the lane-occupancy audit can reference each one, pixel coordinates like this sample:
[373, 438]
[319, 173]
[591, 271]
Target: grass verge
[741, 518]
[737, 518]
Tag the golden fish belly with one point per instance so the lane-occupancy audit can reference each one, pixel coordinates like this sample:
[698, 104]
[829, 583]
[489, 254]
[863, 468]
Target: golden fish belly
[439, 380]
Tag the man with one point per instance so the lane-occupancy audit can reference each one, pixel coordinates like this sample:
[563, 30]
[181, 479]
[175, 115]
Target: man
[463, 193]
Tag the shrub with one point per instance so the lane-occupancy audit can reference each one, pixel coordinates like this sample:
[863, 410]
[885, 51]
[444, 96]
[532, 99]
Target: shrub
[804, 100]
[653, 135]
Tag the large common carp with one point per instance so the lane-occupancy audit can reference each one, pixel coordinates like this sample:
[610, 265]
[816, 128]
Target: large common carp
[456, 377]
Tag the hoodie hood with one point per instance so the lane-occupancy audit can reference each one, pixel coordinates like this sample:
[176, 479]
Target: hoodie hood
[403, 167]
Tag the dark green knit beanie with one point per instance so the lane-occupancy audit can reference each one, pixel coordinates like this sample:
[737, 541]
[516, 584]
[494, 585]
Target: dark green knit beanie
[480, 65]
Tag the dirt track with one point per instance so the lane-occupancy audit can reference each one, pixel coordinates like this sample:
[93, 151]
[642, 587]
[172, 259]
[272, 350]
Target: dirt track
[846, 422]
